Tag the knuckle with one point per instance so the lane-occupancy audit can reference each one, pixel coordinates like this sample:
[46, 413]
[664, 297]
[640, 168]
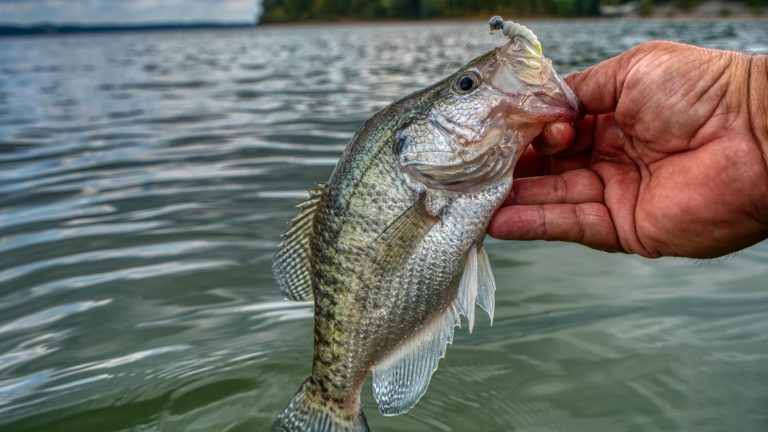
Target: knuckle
[653, 45]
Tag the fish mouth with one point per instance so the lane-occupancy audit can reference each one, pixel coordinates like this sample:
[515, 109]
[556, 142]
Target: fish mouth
[557, 101]
[561, 106]
[532, 87]
[523, 93]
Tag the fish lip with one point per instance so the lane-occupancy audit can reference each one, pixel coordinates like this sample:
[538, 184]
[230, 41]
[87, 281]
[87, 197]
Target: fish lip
[546, 96]
[561, 107]
[561, 102]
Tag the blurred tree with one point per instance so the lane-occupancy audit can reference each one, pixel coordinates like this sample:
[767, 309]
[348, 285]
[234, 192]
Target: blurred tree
[646, 7]
[297, 10]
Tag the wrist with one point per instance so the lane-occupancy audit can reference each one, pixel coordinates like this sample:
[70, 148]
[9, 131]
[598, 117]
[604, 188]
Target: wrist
[758, 102]
[758, 116]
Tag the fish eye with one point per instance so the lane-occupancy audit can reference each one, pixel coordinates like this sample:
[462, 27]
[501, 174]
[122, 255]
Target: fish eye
[467, 82]
[399, 145]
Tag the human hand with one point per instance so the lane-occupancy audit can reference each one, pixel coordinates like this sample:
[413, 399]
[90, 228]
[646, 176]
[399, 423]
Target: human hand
[671, 158]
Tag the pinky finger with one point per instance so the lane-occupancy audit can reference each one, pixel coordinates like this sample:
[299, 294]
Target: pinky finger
[589, 224]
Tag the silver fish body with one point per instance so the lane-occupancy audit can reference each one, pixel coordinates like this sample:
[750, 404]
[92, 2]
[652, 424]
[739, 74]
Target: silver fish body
[390, 248]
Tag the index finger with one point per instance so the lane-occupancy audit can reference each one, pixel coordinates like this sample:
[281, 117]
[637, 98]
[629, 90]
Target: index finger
[555, 138]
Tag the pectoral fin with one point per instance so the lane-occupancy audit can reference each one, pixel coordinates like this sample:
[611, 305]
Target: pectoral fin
[394, 245]
[292, 265]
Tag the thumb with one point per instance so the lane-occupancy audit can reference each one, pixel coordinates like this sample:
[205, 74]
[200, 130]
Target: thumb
[599, 87]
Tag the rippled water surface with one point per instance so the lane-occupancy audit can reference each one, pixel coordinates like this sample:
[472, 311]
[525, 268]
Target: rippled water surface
[145, 179]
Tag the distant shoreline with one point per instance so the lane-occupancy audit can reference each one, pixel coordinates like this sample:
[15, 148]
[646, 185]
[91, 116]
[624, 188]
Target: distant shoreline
[66, 29]
[632, 9]
[398, 21]
[61, 29]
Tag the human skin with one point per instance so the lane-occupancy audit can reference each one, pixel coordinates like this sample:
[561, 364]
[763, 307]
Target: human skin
[670, 159]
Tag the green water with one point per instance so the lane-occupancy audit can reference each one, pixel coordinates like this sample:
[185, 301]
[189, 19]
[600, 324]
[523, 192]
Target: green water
[145, 179]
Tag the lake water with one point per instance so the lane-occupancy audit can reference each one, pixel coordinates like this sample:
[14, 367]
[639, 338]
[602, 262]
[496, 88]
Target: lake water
[145, 179]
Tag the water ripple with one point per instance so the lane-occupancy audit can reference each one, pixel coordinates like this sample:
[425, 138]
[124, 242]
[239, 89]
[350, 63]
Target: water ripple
[50, 315]
[132, 273]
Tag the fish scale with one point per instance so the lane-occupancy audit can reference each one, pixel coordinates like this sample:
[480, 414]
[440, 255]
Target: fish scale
[391, 249]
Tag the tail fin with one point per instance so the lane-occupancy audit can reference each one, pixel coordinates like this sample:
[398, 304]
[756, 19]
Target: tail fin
[309, 412]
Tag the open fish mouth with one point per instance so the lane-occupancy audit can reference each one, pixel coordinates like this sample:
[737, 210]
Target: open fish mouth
[530, 84]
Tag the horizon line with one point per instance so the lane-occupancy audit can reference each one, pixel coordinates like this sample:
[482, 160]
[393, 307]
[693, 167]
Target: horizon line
[126, 24]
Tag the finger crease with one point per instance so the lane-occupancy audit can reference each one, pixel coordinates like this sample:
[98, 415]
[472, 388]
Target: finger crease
[581, 218]
[561, 189]
[543, 218]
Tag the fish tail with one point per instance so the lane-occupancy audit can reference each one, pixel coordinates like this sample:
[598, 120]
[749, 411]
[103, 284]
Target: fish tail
[308, 411]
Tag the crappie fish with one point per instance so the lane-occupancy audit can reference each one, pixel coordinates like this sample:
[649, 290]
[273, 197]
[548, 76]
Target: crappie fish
[390, 248]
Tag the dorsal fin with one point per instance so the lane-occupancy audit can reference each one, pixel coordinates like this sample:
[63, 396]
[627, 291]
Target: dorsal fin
[402, 378]
[292, 265]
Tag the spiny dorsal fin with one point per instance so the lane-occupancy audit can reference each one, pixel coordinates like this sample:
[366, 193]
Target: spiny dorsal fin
[292, 265]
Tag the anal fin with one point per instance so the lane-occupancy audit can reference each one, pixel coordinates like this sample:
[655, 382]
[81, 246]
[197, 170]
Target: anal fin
[400, 380]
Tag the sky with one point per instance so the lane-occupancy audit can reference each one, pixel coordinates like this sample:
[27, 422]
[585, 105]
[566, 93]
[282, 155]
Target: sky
[126, 11]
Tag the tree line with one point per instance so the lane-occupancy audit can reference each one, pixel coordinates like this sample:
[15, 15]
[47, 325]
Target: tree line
[339, 10]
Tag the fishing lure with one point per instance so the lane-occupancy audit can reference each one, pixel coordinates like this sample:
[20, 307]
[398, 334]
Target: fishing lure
[512, 29]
